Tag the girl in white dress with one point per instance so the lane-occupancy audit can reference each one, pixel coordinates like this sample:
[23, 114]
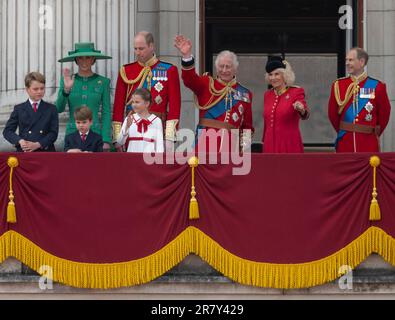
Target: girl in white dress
[141, 130]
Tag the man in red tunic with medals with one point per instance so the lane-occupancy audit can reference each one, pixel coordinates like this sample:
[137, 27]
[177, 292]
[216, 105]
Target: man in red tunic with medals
[159, 77]
[359, 108]
[225, 116]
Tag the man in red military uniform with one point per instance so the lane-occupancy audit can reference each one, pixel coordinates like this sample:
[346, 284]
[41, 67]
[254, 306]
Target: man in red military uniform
[359, 108]
[224, 104]
[159, 77]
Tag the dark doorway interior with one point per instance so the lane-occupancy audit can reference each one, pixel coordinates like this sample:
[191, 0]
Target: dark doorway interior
[272, 26]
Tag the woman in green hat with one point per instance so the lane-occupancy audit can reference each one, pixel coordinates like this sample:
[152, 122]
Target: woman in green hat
[86, 88]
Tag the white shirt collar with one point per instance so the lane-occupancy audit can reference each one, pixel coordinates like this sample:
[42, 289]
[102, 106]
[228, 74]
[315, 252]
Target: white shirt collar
[137, 117]
[31, 102]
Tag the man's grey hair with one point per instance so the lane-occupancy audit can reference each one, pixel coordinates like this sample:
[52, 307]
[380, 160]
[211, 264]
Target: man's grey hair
[227, 53]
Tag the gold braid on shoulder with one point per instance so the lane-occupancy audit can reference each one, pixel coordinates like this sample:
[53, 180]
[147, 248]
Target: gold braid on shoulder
[349, 92]
[216, 95]
[352, 90]
[145, 73]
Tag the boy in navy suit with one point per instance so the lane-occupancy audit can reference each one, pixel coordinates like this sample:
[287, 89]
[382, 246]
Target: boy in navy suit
[84, 139]
[37, 121]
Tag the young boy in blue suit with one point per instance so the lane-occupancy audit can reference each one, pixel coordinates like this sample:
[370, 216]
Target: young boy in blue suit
[37, 121]
[84, 139]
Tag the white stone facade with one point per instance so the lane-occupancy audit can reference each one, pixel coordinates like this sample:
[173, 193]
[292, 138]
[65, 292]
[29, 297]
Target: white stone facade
[36, 33]
[380, 43]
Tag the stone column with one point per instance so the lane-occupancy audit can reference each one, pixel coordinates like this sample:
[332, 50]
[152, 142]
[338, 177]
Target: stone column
[165, 19]
[381, 48]
[36, 33]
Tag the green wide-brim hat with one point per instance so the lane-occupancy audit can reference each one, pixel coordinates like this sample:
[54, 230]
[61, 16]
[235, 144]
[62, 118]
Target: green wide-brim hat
[84, 49]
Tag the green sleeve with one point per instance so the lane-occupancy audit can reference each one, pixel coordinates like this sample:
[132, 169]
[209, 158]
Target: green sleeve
[62, 99]
[106, 113]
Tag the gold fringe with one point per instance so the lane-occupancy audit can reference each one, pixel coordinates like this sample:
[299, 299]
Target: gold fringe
[374, 212]
[97, 275]
[290, 276]
[283, 276]
[12, 162]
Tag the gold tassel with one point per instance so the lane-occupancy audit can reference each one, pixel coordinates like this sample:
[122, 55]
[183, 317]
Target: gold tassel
[193, 204]
[374, 205]
[11, 212]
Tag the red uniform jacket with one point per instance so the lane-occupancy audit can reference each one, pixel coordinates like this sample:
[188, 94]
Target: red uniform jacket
[163, 82]
[233, 109]
[281, 121]
[375, 115]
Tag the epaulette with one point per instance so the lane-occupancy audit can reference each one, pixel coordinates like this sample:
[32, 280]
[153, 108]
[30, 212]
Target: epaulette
[379, 80]
[125, 66]
[129, 64]
[342, 78]
[166, 63]
[244, 87]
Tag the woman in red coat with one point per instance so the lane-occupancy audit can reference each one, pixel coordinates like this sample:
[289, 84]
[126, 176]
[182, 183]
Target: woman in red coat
[284, 104]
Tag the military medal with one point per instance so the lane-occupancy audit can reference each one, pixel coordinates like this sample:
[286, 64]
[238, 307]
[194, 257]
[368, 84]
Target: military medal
[158, 86]
[165, 74]
[369, 107]
[367, 93]
[241, 109]
[154, 76]
[235, 116]
[99, 82]
[158, 99]
[368, 117]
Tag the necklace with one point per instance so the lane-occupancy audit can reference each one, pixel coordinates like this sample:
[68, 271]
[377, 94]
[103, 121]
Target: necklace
[281, 91]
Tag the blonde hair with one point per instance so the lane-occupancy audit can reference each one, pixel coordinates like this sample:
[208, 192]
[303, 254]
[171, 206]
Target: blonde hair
[288, 74]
